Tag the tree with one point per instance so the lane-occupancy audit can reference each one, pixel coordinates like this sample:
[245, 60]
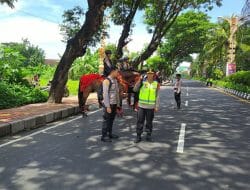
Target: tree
[243, 48]
[160, 15]
[77, 45]
[214, 54]
[187, 36]
[71, 22]
[33, 55]
[10, 3]
[123, 13]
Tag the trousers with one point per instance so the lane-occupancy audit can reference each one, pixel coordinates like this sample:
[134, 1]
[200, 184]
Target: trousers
[177, 97]
[142, 115]
[108, 120]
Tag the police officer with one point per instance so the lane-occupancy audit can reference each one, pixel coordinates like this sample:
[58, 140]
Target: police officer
[111, 101]
[148, 104]
[177, 91]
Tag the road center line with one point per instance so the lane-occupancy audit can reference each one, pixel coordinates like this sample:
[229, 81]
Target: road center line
[44, 130]
[186, 103]
[181, 140]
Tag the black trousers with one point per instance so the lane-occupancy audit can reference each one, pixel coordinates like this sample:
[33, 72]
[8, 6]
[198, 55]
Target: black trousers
[144, 114]
[108, 120]
[177, 97]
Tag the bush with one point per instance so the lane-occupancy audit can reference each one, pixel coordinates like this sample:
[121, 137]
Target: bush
[238, 87]
[241, 77]
[12, 95]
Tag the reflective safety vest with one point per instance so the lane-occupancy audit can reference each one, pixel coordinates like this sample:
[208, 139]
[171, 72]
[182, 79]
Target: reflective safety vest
[148, 93]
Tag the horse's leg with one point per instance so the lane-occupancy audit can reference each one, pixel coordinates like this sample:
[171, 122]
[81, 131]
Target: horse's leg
[80, 100]
[96, 87]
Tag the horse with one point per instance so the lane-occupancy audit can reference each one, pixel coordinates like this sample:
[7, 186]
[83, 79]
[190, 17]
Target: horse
[91, 83]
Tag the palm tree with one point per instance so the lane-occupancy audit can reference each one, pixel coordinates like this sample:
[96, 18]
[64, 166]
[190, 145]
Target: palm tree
[215, 51]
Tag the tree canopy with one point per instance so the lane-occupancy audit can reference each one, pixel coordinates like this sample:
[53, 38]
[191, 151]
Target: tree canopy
[10, 3]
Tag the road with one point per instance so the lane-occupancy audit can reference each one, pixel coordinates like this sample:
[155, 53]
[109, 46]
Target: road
[203, 146]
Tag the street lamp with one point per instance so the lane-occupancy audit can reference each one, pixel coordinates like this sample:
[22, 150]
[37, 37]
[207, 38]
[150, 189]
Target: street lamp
[234, 22]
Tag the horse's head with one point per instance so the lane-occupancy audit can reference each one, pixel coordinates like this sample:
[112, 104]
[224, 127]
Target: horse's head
[128, 79]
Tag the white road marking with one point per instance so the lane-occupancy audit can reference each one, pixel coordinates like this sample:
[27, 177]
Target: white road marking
[186, 103]
[44, 130]
[180, 146]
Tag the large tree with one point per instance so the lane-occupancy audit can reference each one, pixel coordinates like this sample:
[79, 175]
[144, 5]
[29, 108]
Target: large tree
[77, 45]
[160, 15]
[187, 35]
[10, 3]
[123, 13]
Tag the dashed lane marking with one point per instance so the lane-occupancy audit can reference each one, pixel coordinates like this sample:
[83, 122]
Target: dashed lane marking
[180, 146]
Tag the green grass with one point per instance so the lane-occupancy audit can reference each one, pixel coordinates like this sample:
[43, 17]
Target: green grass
[72, 85]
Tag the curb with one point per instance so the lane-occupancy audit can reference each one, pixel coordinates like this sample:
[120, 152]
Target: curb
[239, 94]
[26, 124]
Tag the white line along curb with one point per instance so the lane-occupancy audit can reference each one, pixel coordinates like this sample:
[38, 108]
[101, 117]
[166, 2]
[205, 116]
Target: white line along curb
[44, 130]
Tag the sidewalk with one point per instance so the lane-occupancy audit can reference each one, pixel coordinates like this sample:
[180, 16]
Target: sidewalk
[32, 116]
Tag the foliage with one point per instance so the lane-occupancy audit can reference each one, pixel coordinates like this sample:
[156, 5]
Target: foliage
[10, 65]
[243, 49]
[187, 35]
[10, 3]
[19, 95]
[33, 55]
[241, 77]
[234, 86]
[157, 63]
[72, 22]
[87, 64]
[160, 16]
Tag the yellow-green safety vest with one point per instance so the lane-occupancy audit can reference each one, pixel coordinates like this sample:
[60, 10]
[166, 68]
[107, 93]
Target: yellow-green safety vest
[147, 93]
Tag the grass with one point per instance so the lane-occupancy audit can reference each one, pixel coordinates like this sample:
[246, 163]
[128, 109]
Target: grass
[72, 85]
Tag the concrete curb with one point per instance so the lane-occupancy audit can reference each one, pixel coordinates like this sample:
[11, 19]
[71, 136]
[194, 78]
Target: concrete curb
[239, 94]
[36, 121]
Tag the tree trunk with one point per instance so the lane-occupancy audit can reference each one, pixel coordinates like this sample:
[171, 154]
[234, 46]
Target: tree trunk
[123, 41]
[76, 47]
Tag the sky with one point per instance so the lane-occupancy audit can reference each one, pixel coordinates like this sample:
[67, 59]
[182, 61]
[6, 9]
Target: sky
[39, 23]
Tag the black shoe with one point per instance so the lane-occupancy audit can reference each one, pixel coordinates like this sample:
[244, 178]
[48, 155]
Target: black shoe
[113, 136]
[148, 137]
[138, 139]
[106, 139]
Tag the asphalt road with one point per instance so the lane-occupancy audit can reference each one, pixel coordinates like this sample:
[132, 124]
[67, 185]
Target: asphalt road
[203, 146]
